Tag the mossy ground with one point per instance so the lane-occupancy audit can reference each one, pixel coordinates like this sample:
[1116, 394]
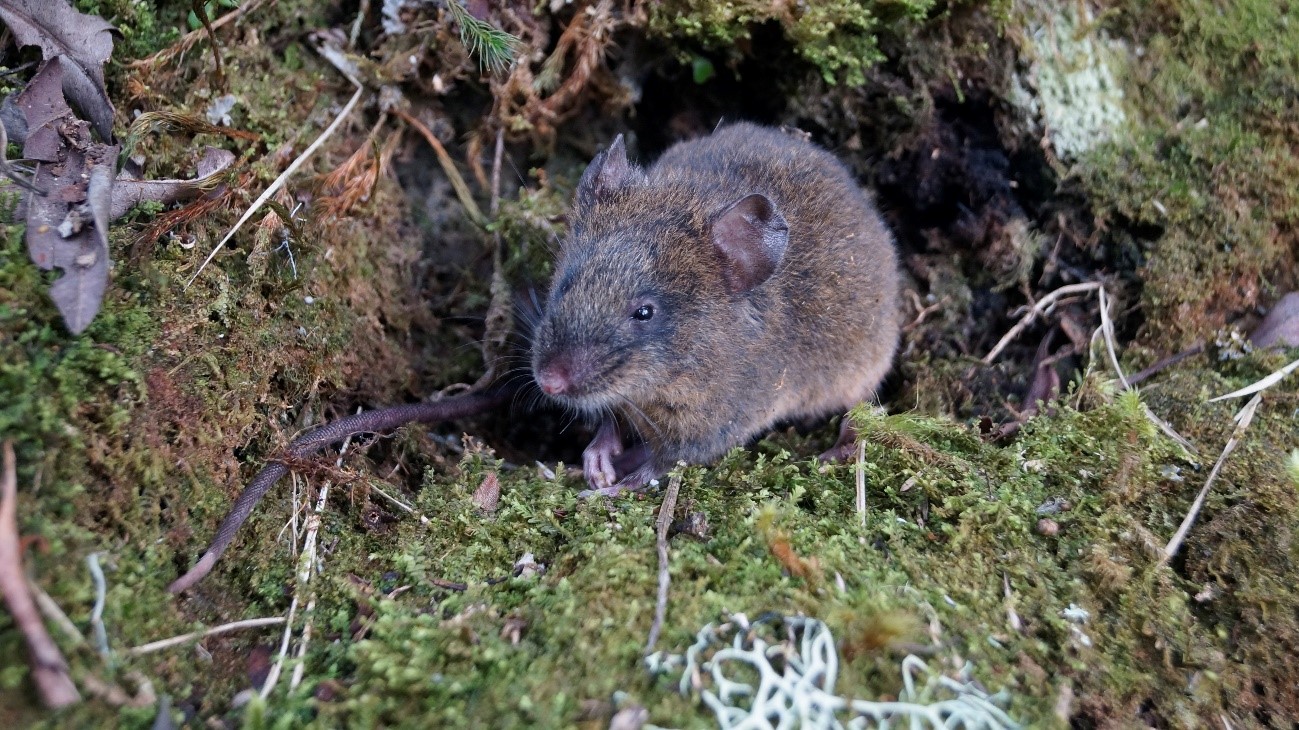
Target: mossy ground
[133, 438]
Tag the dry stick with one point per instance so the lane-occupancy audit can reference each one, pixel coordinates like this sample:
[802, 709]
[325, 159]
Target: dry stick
[251, 623]
[361, 12]
[54, 613]
[220, 75]
[1107, 332]
[282, 179]
[498, 322]
[497, 156]
[1242, 419]
[376, 421]
[449, 167]
[306, 561]
[666, 511]
[1261, 385]
[1039, 308]
[188, 40]
[49, 670]
[423, 519]
[1167, 362]
[306, 564]
[304, 574]
[861, 479]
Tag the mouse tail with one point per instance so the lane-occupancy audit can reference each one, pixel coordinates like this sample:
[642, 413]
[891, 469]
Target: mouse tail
[376, 421]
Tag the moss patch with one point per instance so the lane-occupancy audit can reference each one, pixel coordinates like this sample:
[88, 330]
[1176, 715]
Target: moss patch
[1036, 561]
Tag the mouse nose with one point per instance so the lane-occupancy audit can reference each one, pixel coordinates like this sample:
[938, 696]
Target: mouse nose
[554, 379]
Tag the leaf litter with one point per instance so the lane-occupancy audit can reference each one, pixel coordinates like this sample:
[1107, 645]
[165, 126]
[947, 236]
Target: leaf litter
[76, 191]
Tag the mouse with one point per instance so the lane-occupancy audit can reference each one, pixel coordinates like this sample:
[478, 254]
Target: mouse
[741, 281]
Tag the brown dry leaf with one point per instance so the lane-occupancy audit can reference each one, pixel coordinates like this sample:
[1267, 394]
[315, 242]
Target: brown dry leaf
[67, 228]
[85, 41]
[488, 494]
[128, 193]
[1281, 325]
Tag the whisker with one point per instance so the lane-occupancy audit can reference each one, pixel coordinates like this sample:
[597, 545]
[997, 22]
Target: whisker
[636, 410]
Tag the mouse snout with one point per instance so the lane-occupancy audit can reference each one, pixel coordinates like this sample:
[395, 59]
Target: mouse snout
[553, 379]
[563, 374]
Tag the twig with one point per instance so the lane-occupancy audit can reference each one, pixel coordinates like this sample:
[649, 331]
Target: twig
[1107, 333]
[1107, 329]
[1242, 419]
[666, 510]
[496, 173]
[1261, 385]
[97, 614]
[304, 573]
[1167, 362]
[361, 12]
[423, 519]
[449, 167]
[306, 564]
[48, 668]
[55, 614]
[283, 178]
[188, 40]
[861, 479]
[498, 322]
[219, 77]
[161, 644]
[1039, 308]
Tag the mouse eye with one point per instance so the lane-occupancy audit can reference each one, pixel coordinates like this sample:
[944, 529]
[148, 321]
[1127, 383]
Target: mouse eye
[643, 313]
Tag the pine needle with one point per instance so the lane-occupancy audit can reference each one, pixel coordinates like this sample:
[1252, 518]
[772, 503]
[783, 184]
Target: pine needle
[494, 48]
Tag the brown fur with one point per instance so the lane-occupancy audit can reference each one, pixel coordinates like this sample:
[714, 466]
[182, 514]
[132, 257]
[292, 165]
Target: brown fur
[715, 368]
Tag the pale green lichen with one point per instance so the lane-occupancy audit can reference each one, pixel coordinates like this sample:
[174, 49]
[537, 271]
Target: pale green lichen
[796, 663]
[1074, 67]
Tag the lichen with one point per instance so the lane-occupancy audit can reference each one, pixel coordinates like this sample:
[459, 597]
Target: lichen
[1074, 67]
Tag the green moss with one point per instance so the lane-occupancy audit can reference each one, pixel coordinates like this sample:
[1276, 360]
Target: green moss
[840, 39]
[141, 29]
[1039, 562]
[1209, 170]
[950, 548]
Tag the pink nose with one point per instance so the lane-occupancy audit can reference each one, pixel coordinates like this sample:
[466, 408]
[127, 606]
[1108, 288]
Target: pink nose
[553, 379]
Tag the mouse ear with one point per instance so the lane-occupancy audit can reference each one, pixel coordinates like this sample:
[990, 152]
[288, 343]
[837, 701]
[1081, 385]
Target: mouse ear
[751, 237]
[609, 171]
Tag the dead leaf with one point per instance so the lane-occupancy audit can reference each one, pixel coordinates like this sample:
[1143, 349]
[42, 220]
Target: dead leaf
[488, 494]
[1281, 325]
[68, 227]
[86, 41]
[129, 192]
[15, 123]
[42, 103]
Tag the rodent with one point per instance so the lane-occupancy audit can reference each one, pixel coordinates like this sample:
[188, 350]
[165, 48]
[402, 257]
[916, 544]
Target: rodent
[742, 280]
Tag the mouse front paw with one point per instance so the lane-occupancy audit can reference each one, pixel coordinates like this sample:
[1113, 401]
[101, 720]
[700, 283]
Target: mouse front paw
[642, 479]
[598, 457]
